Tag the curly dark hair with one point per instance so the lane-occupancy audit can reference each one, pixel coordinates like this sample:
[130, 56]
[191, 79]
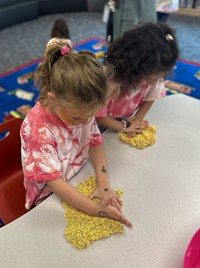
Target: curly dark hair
[148, 49]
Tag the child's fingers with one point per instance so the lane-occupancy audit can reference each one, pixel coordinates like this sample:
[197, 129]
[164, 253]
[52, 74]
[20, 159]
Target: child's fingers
[124, 220]
[115, 203]
[139, 129]
[131, 134]
[119, 200]
[115, 214]
[142, 124]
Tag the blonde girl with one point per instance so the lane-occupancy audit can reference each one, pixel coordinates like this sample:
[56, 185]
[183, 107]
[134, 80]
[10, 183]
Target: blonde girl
[60, 132]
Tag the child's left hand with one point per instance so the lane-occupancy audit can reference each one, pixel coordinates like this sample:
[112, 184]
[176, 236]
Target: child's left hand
[106, 193]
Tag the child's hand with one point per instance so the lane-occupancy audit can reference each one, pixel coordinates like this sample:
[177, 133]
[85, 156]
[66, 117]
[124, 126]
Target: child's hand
[107, 193]
[107, 210]
[136, 126]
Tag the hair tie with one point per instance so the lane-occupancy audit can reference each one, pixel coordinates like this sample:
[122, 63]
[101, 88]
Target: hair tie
[169, 37]
[65, 50]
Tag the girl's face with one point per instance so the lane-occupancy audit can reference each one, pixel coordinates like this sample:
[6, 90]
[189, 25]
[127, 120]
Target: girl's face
[151, 79]
[72, 117]
[67, 113]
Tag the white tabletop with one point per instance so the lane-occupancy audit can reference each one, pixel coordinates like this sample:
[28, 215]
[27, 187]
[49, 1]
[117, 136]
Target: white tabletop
[161, 197]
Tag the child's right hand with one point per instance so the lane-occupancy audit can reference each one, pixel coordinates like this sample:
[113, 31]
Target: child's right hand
[105, 209]
[137, 125]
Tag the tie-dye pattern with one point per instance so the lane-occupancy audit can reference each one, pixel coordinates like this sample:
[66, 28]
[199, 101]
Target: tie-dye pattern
[131, 101]
[51, 150]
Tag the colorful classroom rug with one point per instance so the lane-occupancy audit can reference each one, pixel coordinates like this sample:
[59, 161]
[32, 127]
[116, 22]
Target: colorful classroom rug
[18, 93]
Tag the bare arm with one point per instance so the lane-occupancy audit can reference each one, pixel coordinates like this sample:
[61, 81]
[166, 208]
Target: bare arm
[118, 126]
[144, 108]
[70, 195]
[137, 121]
[111, 123]
[103, 189]
[98, 158]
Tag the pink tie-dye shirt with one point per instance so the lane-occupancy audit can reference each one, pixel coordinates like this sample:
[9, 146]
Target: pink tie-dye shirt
[131, 101]
[51, 149]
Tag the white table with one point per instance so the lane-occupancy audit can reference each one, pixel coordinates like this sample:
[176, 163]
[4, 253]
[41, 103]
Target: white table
[161, 196]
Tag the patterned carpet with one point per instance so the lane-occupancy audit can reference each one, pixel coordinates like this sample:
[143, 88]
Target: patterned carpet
[26, 41]
[18, 93]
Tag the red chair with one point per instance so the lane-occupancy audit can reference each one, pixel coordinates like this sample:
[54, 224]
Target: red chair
[12, 191]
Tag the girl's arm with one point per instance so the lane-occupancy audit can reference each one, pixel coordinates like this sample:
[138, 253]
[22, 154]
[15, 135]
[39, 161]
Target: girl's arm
[98, 158]
[143, 109]
[118, 125]
[70, 195]
[103, 189]
[111, 123]
[137, 122]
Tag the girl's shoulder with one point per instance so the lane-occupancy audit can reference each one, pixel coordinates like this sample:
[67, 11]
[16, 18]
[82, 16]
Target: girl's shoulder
[38, 124]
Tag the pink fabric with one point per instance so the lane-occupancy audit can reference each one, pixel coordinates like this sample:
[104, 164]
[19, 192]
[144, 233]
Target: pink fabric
[51, 150]
[130, 102]
[65, 50]
[167, 6]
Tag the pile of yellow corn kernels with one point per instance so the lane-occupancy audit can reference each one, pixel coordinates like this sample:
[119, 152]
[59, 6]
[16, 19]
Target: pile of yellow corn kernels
[83, 229]
[140, 140]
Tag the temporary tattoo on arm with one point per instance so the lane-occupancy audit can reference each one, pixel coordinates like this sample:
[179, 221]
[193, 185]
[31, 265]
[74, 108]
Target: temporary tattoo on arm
[103, 169]
[102, 214]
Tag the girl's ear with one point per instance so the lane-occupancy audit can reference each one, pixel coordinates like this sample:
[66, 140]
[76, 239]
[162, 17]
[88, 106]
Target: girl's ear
[51, 96]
